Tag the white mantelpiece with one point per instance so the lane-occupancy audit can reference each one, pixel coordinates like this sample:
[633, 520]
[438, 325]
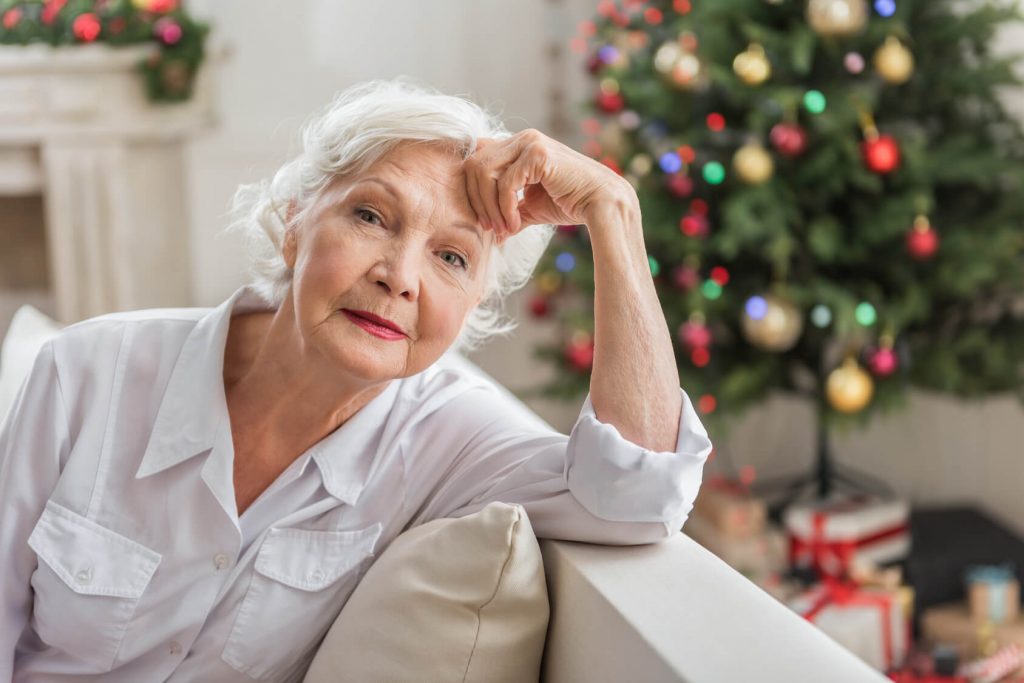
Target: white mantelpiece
[77, 128]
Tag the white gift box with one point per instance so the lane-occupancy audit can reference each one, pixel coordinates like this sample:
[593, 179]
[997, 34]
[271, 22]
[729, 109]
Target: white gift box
[861, 624]
[834, 533]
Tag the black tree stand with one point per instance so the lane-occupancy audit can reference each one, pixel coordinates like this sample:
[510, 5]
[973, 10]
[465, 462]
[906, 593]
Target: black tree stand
[827, 477]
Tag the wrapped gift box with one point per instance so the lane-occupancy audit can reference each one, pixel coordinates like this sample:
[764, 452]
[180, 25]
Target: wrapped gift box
[756, 557]
[832, 534]
[730, 507]
[952, 625]
[993, 593]
[867, 621]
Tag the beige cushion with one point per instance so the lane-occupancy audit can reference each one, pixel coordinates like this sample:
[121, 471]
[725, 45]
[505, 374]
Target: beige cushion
[451, 600]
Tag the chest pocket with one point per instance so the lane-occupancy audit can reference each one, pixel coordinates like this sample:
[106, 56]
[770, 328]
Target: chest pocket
[87, 585]
[300, 580]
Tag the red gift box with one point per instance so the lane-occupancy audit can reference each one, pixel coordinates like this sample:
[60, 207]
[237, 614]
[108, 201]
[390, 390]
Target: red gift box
[830, 535]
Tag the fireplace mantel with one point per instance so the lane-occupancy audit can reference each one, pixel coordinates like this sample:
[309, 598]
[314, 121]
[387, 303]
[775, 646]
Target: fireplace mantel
[77, 128]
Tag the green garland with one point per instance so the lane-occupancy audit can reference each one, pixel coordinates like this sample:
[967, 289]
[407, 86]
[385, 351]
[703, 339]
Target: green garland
[169, 74]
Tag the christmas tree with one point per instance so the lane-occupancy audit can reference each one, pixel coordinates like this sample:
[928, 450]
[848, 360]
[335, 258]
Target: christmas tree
[832, 196]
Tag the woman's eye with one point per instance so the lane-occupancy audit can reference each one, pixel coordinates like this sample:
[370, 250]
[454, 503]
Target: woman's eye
[366, 212]
[459, 262]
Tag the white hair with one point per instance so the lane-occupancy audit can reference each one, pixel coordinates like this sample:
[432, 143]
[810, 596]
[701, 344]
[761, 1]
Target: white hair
[362, 124]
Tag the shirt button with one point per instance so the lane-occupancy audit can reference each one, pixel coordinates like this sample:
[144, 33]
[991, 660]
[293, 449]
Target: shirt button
[174, 648]
[317, 576]
[221, 561]
[84, 575]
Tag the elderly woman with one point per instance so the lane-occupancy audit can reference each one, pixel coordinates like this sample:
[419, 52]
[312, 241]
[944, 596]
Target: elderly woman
[192, 494]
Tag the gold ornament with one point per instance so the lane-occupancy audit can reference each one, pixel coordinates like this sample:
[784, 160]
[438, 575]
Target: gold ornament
[549, 282]
[612, 139]
[837, 17]
[752, 65]
[849, 387]
[753, 164]
[680, 66]
[778, 329]
[894, 62]
[641, 164]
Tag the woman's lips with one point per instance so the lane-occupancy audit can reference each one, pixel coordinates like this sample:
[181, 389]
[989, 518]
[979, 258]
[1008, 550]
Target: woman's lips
[373, 328]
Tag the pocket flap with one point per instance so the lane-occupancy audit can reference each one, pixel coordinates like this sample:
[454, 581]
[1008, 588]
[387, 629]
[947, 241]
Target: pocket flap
[89, 558]
[312, 560]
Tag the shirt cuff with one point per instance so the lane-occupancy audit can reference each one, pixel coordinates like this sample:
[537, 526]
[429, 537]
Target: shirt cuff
[619, 481]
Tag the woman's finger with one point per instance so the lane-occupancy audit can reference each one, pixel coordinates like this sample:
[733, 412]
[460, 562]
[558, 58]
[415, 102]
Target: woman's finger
[516, 177]
[473, 194]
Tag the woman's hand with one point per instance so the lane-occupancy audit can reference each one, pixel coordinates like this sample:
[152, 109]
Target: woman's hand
[560, 185]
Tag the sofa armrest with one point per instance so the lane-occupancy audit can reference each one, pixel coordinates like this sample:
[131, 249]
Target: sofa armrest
[674, 612]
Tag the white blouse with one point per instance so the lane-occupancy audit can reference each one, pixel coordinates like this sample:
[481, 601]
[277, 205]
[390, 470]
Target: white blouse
[123, 556]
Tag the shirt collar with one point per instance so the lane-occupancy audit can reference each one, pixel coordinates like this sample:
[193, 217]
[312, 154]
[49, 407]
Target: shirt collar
[194, 406]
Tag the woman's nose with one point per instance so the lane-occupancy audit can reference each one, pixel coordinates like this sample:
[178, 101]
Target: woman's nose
[397, 269]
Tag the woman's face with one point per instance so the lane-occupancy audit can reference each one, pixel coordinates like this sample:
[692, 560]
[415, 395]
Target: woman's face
[389, 242]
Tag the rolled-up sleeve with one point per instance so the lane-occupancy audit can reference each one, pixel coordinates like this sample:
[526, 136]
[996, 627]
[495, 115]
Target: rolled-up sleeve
[34, 441]
[617, 480]
[592, 485]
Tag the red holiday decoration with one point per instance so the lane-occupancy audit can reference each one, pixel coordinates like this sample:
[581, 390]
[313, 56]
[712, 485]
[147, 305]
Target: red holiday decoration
[694, 225]
[11, 18]
[539, 306]
[594, 64]
[922, 240]
[51, 9]
[86, 27]
[685, 277]
[580, 355]
[680, 185]
[167, 31]
[789, 139]
[881, 154]
[694, 335]
[610, 102]
[883, 361]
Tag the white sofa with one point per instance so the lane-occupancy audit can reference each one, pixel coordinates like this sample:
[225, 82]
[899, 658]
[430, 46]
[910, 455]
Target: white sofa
[667, 612]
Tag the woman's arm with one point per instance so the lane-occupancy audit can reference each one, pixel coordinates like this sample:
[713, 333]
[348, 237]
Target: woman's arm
[634, 384]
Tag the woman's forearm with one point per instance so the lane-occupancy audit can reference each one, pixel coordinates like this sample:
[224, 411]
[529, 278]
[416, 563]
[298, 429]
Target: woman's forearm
[634, 383]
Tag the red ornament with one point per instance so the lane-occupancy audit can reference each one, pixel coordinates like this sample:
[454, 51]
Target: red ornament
[707, 404]
[922, 240]
[612, 164]
[789, 139]
[694, 335]
[12, 17]
[594, 64]
[162, 6]
[694, 225]
[685, 277]
[580, 355]
[720, 275]
[86, 27]
[539, 306]
[881, 154]
[51, 9]
[610, 102]
[680, 185]
[883, 361]
[167, 31]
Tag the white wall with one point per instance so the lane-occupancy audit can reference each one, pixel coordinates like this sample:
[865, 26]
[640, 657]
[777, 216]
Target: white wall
[289, 58]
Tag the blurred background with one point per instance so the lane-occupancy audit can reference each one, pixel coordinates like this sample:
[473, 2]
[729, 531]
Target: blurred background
[115, 180]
